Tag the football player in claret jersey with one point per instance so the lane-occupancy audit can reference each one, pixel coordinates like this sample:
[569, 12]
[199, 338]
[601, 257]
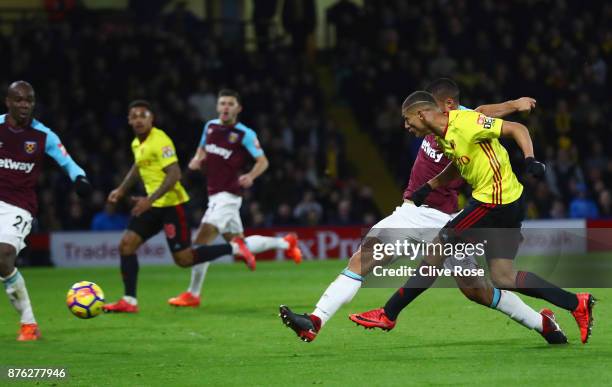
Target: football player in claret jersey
[409, 222]
[470, 140]
[226, 146]
[24, 142]
[156, 164]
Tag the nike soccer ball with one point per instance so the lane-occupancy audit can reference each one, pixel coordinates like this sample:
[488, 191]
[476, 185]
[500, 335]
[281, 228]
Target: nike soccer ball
[85, 299]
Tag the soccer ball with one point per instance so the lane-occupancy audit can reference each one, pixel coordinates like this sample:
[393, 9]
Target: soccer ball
[85, 299]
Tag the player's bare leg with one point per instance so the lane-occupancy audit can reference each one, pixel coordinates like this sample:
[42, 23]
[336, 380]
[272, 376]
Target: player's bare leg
[17, 293]
[197, 254]
[206, 234]
[130, 242]
[580, 305]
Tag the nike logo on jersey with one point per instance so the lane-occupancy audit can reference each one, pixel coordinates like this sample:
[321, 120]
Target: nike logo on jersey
[16, 165]
[431, 152]
[219, 151]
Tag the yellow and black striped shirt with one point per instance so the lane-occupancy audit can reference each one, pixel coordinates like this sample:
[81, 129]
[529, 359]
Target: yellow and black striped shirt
[471, 142]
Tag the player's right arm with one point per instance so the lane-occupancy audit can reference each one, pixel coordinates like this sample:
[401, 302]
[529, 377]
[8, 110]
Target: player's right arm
[499, 110]
[196, 161]
[128, 182]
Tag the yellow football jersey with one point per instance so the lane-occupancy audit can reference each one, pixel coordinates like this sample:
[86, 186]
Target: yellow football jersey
[151, 156]
[471, 142]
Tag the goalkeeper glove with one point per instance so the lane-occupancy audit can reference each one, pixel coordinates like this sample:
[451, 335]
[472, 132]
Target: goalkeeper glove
[418, 197]
[82, 187]
[534, 167]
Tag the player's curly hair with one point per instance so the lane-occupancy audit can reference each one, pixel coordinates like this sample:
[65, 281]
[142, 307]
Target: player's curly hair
[417, 98]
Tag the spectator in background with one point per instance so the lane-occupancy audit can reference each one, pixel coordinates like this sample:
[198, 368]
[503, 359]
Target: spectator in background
[299, 20]
[109, 219]
[344, 16]
[605, 204]
[308, 210]
[582, 206]
[343, 215]
[204, 101]
[283, 216]
[263, 14]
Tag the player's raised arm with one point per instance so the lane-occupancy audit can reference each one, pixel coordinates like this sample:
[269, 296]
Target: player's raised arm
[55, 149]
[520, 134]
[499, 110]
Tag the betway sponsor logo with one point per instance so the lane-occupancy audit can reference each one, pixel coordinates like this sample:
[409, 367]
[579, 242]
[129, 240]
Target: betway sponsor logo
[430, 151]
[16, 165]
[217, 150]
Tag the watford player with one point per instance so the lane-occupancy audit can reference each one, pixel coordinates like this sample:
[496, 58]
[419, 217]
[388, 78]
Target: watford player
[411, 223]
[470, 140]
[155, 162]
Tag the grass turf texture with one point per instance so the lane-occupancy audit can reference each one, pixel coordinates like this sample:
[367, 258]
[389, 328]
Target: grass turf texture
[236, 337]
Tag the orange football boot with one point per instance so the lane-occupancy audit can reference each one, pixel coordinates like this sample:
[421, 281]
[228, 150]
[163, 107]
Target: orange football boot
[28, 332]
[293, 251]
[185, 299]
[121, 306]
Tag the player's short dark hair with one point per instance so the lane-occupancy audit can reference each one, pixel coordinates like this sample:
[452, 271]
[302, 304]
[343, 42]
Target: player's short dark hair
[230, 93]
[418, 97]
[140, 103]
[443, 88]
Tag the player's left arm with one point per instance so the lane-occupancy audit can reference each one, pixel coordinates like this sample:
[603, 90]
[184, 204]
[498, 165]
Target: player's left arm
[444, 178]
[57, 152]
[251, 143]
[520, 134]
[499, 110]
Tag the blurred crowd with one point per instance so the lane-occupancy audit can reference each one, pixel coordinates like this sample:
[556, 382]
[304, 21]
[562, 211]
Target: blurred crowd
[556, 51]
[86, 69]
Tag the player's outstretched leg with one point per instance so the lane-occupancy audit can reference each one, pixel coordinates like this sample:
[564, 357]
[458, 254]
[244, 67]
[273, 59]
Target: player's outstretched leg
[580, 305]
[512, 306]
[340, 291]
[17, 293]
[288, 243]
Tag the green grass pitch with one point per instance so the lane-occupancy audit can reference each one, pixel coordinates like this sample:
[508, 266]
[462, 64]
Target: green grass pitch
[236, 337]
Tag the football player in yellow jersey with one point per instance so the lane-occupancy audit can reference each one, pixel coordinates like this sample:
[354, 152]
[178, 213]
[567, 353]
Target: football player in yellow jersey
[476, 288]
[470, 140]
[156, 164]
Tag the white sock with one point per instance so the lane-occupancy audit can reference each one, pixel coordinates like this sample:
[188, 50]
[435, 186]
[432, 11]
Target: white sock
[339, 292]
[130, 300]
[258, 243]
[198, 273]
[511, 305]
[18, 294]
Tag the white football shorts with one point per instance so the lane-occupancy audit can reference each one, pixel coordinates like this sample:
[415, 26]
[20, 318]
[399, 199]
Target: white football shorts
[223, 212]
[15, 225]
